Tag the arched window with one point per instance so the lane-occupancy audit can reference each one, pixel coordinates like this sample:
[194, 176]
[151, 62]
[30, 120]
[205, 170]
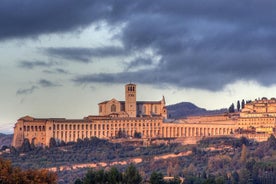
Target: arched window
[113, 108]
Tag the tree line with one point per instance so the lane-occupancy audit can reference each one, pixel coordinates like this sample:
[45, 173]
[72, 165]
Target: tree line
[239, 106]
[130, 176]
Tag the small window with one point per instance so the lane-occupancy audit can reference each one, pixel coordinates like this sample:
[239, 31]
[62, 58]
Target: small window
[113, 108]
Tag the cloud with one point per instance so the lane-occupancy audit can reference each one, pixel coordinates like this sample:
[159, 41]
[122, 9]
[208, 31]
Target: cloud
[139, 62]
[84, 55]
[47, 83]
[34, 64]
[200, 44]
[33, 18]
[41, 83]
[56, 71]
[206, 46]
[26, 91]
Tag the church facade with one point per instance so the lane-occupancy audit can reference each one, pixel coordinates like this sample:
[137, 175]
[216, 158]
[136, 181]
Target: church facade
[145, 119]
[132, 108]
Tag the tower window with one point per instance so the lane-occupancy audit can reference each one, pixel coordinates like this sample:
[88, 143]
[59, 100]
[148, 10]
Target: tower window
[131, 88]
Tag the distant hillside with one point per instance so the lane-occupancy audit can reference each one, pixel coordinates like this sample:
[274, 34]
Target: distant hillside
[184, 109]
[5, 139]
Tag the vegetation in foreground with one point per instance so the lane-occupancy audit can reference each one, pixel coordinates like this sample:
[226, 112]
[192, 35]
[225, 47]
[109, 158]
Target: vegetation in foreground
[130, 176]
[12, 175]
[212, 160]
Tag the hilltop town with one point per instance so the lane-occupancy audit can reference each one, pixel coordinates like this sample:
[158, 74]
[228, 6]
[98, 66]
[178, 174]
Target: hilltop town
[148, 120]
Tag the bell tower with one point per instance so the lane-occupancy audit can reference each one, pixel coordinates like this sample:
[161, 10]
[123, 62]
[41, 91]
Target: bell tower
[130, 100]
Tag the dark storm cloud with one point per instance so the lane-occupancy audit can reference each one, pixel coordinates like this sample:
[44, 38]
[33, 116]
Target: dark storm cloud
[201, 44]
[34, 64]
[31, 18]
[47, 83]
[26, 91]
[84, 55]
[138, 62]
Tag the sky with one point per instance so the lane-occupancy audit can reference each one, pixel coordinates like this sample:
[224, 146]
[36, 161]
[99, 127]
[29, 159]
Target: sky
[60, 58]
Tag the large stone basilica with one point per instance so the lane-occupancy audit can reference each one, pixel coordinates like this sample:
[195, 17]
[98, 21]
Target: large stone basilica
[147, 119]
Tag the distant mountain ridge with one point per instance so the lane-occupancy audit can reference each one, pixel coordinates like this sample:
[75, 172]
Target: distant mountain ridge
[185, 109]
[5, 139]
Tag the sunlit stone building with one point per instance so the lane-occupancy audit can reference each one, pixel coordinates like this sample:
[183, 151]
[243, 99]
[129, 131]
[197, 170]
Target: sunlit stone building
[259, 116]
[148, 119]
[116, 118]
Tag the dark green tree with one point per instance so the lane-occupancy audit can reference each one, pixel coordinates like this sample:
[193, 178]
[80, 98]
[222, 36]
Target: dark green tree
[137, 134]
[244, 140]
[272, 142]
[121, 134]
[113, 176]
[131, 175]
[52, 143]
[90, 177]
[235, 178]
[33, 144]
[244, 177]
[204, 175]
[156, 178]
[238, 105]
[231, 108]
[26, 146]
[62, 143]
[242, 104]
[78, 181]
[100, 177]
[251, 166]
[220, 180]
